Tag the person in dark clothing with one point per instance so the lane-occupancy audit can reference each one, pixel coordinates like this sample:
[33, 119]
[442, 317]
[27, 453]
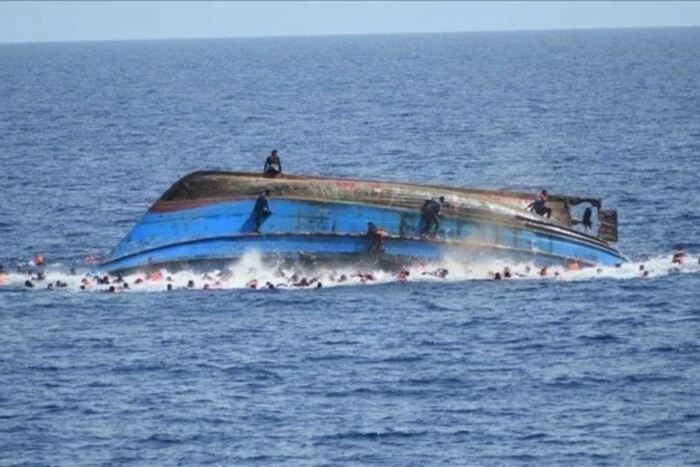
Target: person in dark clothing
[273, 165]
[678, 256]
[376, 242]
[372, 230]
[261, 211]
[538, 205]
[430, 212]
[587, 218]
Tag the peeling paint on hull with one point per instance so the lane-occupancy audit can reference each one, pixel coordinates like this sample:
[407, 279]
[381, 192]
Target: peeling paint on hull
[208, 216]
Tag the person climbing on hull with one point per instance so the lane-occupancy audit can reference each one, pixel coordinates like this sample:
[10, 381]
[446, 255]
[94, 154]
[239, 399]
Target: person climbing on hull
[261, 211]
[430, 212]
[538, 205]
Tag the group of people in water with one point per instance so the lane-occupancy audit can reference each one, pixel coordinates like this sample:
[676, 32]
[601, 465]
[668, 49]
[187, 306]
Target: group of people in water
[37, 277]
[430, 213]
[209, 281]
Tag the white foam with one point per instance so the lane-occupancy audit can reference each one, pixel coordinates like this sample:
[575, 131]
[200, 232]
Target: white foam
[252, 268]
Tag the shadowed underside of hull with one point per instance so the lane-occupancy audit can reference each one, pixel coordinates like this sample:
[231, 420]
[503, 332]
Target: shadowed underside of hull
[208, 216]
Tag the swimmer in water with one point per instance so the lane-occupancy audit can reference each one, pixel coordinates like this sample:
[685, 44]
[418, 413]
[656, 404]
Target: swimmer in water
[154, 275]
[439, 272]
[643, 272]
[678, 256]
[304, 282]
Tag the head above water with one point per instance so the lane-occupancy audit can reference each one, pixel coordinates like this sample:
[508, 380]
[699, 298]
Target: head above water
[274, 152]
[442, 199]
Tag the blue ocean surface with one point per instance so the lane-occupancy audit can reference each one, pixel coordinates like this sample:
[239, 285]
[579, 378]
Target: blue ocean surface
[588, 367]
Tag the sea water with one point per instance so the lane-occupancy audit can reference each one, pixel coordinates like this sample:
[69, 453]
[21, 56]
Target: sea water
[576, 367]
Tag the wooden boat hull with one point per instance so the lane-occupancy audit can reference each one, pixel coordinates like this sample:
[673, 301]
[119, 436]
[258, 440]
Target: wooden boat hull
[208, 216]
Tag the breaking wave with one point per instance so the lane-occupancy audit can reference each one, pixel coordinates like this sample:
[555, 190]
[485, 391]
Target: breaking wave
[251, 272]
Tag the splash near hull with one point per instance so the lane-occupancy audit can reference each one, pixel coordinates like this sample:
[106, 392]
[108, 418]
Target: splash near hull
[208, 216]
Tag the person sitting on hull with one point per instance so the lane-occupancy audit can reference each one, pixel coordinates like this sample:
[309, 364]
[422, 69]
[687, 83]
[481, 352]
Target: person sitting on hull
[538, 205]
[261, 211]
[430, 212]
[273, 165]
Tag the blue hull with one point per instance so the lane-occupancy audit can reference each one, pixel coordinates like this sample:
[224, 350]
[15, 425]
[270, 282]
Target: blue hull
[335, 230]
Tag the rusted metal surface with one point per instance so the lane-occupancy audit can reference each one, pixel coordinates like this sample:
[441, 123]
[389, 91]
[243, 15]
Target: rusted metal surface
[608, 225]
[174, 233]
[206, 187]
[201, 188]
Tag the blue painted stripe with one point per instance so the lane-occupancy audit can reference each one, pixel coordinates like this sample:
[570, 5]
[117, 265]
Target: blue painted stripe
[232, 221]
[328, 246]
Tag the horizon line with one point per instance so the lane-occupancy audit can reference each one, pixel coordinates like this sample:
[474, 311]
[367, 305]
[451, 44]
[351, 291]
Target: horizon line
[301, 36]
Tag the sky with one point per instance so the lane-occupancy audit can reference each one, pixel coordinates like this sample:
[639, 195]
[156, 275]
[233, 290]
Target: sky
[52, 21]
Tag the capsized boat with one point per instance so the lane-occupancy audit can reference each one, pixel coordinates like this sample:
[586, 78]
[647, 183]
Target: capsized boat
[207, 216]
